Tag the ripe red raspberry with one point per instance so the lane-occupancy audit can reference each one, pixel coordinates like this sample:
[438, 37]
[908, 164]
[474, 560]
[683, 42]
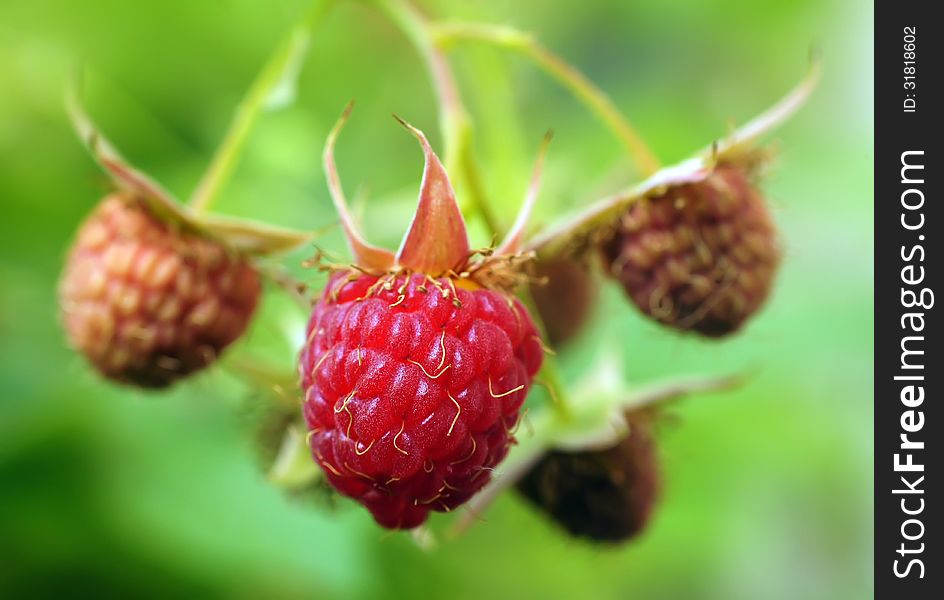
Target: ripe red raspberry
[416, 364]
[147, 302]
[700, 256]
[413, 388]
[563, 294]
[603, 495]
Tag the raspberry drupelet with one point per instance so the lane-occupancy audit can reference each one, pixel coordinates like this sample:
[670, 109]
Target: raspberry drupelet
[416, 364]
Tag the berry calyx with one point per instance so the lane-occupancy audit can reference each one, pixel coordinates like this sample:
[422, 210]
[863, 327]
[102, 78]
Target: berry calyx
[416, 364]
[699, 256]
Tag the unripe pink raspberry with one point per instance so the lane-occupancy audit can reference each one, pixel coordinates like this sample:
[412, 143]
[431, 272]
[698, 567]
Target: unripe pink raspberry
[147, 302]
[416, 364]
[154, 290]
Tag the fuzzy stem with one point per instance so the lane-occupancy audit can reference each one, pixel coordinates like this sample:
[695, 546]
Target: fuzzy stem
[279, 385]
[566, 74]
[284, 62]
[657, 393]
[454, 120]
[555, 239]
[511, 472]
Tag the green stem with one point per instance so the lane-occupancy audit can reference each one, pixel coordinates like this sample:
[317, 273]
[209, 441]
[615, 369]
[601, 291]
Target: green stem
[551, 427]
[454, 120]
[285, 62]
[570, 77]
[550, 376]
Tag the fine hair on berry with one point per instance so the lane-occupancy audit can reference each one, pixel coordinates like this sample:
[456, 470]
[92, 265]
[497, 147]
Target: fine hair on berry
[416, 364]
[413, 387]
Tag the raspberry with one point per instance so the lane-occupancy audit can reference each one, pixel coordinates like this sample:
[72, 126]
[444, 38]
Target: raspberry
[413, 388]
[700, 256]
[564, 298]
[602, 495]
[416, 363]
[148, 303]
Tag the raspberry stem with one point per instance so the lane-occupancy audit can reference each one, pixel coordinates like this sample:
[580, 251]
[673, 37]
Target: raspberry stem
[658, 393]
[454, 120]
[270, 89]
[457, 131]
[591, 425]
[595, 99]
[736, 146]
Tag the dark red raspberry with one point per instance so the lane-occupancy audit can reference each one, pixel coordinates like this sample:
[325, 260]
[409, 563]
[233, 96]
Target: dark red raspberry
[602, 495]
[700, 256]
[413, 388]
[147, 302]
[564, 293]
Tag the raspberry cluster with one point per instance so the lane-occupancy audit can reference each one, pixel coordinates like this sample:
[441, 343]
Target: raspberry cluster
[413, 387]
[148, 303]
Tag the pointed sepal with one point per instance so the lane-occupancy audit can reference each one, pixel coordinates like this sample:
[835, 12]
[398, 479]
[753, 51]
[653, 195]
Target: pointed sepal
[515, 236]
[240, 234]
[251, 237]
[293, 468]
[367, 256]
[746, 137]
[123, 175]
[739, 147]
[437, 241]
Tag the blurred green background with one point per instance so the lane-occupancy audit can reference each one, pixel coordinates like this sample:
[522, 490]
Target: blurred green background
[768, 489]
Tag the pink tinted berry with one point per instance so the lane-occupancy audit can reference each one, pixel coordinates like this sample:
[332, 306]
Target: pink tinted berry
[148, 303]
